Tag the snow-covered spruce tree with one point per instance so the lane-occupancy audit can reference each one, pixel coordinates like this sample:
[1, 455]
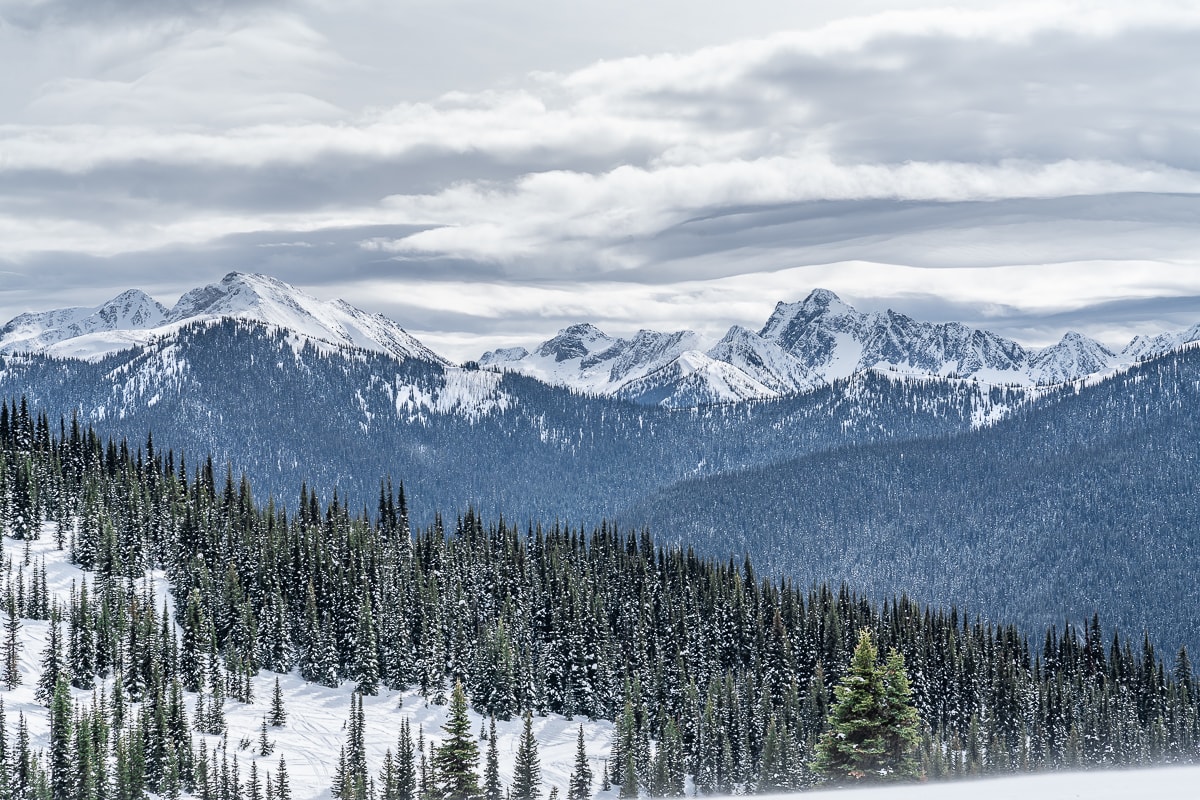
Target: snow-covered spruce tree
[62, 762]
[873, 729]
[278, 714]
[492, 790]
[53, 667]
[366, 651]
[12, 646]
[580, 787]
[456, 760]
[527, 770]
[406, 767]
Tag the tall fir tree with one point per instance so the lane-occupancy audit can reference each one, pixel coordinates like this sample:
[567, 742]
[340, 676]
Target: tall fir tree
[53, 668]
[456, 760]
[406, 767]
[492, 790]
[62, 758]
[527, 770]
[13, 644]
[278, 714]
[580, 787]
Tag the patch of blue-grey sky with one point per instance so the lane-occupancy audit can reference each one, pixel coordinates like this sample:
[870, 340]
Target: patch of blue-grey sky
[486, 175]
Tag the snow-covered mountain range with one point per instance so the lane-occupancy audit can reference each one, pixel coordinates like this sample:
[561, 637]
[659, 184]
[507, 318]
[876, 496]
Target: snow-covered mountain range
[808, 344]
[802, 346]
[134, 318]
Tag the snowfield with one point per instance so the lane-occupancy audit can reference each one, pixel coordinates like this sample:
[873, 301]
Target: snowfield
[1163, 783]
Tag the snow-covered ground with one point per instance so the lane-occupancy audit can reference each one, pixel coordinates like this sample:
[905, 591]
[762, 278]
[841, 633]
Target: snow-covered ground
[1164, 783]
[315, 729]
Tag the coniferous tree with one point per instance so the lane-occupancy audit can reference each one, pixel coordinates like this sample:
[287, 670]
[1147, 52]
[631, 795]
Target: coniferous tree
[492, 790]
[406, 769]
[456, 760]
[354, 773]
[81, 650]
[265, 745]
[283, 785]
[527, 772]
[366, 671]
[868, 740]
[52, 667]
[278, 715]
[580, 787]
[12, 647]
[253, 785]
[903, 722]
[62, 761]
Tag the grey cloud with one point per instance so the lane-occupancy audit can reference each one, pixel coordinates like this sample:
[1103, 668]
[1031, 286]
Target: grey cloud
[1056, 95]
[329, 258]
[1111, 322]
[337, 179]
[924, 234]
[33, 15]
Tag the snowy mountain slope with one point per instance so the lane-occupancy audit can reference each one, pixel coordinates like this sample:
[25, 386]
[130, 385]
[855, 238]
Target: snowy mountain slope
[315, 730]
[133, 318]
[693, 379]
[132, 310]
[587, 359]
[764, 361]
[835, 340]
[1074, 356]
[1144, 347]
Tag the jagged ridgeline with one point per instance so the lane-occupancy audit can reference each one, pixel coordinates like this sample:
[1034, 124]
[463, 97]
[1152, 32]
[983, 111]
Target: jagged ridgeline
[728, 673]
[288, 411]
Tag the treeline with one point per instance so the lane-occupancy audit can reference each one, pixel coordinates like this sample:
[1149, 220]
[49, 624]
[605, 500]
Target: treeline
[708, 669]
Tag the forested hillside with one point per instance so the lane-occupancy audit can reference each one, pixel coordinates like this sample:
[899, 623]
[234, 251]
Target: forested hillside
[1090, 503]
[289, 412]
[708, 668]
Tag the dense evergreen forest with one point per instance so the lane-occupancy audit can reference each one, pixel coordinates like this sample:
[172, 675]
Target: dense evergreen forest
[708, 668]
[1088, 503]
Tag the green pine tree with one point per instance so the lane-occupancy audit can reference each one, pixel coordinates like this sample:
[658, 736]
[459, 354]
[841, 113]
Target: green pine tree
[455, 762]
[527, 771]
[868, 739]
[283, 786]
[580, 787]
[62, 762]
[406, 768]
[278, 715]
[12, 647]
[492, 790]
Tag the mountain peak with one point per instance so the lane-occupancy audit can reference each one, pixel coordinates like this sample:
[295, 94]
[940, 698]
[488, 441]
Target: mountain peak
[574, 342]
[133, 318]
[823, 299]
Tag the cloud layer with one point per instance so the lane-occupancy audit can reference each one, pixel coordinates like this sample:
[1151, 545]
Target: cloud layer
[176, 141]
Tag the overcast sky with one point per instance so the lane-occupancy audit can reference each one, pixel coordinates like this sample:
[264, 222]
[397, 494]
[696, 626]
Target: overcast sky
[487, 172]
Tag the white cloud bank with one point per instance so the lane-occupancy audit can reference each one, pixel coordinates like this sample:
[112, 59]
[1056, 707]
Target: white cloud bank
[1029, 138]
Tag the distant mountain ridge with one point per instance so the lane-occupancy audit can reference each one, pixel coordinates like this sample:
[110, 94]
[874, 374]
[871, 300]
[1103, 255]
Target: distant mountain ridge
[134, 318]
[801, 347]
[812, 343]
